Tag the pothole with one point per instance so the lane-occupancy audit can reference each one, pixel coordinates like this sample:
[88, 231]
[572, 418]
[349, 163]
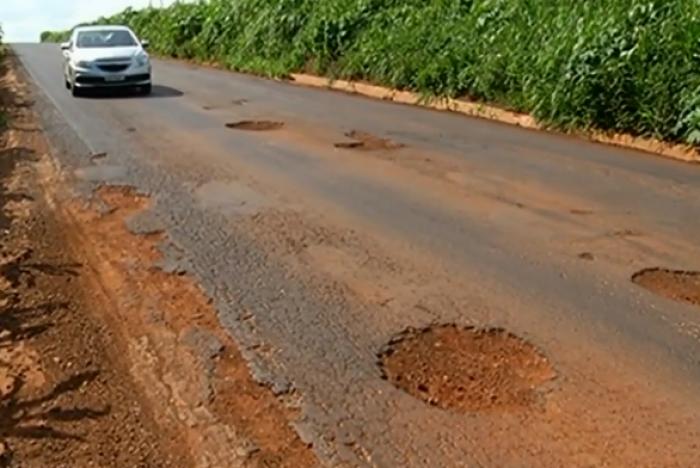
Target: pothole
[586, 256]
[678, 285]
[255, 125]
[466, 369]
[581, 212]
[367, 142]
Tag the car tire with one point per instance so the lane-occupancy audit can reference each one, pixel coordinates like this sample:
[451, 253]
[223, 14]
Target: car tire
[68, 86]
[146, 90]
[75, 91]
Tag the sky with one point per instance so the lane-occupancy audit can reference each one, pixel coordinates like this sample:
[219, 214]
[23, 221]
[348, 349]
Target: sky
[24, 20]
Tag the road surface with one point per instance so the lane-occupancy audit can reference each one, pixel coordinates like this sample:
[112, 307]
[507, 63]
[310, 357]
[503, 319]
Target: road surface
[316, 256]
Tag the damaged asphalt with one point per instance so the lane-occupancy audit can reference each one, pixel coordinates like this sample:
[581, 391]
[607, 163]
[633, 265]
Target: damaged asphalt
[490, 262]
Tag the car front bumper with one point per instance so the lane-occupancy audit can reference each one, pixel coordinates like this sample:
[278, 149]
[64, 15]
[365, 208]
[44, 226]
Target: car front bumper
[96, 78]
[92, 81]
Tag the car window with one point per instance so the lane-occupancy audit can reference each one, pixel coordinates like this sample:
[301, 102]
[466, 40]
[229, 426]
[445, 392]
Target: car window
[105, 38]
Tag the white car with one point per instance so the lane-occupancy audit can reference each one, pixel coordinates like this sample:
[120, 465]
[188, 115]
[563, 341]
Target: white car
[106, 56]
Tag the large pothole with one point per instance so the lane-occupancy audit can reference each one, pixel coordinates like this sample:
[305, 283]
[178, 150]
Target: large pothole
[678, 285]
[255, 125]
[466, 369]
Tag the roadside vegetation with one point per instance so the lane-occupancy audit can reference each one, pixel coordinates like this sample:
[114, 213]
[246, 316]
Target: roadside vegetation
[617, 65]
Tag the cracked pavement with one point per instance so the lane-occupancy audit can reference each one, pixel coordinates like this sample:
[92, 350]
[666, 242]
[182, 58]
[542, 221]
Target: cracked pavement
[316, 254]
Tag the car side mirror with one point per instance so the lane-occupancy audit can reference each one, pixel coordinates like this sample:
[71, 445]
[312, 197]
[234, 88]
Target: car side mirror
[65, 46]
[145, 43]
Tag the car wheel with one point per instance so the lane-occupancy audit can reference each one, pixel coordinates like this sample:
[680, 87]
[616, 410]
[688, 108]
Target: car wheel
[67, 84]
[75, 91]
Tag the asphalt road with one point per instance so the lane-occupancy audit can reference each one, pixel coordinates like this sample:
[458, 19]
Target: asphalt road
[316, 256]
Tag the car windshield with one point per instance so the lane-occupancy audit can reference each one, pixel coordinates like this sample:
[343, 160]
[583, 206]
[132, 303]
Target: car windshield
[105, 38]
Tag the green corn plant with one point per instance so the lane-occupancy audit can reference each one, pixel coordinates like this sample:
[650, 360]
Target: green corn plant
[613, 65]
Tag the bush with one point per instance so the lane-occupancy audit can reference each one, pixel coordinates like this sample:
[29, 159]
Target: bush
[620, 65]
[57, 36]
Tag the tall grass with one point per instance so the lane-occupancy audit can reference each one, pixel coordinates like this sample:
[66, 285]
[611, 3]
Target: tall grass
[619, 65]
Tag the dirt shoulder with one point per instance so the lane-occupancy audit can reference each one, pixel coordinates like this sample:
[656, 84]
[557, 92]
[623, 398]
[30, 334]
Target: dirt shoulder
[106, 360]
[480, 110]
[64, 399]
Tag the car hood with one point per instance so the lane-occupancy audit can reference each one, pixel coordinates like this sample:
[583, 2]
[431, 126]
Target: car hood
[90, 54]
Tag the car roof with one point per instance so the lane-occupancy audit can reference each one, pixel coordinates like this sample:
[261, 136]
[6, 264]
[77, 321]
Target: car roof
[102, 28]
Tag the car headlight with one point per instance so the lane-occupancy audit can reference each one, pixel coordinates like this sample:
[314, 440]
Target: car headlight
[142, 60]
[83, 64]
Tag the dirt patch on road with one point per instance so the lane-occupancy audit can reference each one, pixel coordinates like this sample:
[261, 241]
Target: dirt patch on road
[683, 286]
[255, 125]
[581, 212]
[367, 142]
[467, 369]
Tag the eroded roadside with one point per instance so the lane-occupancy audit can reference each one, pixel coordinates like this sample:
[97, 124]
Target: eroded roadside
[64, 398]
[107, 359]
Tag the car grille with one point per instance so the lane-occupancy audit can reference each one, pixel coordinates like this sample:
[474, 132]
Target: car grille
[112, 67]
[114, 59]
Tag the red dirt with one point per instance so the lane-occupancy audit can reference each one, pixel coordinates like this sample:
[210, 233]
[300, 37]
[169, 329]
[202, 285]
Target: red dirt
[683, 286]
[195, 362]
[467, 369]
